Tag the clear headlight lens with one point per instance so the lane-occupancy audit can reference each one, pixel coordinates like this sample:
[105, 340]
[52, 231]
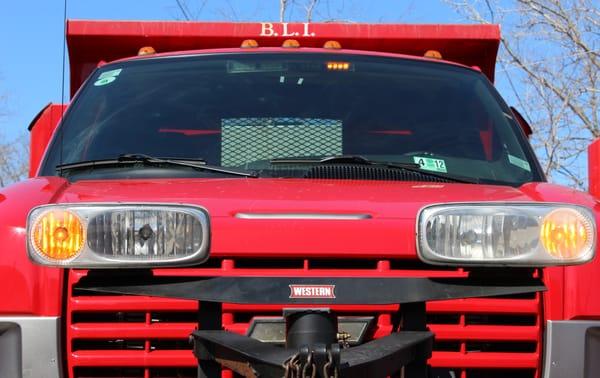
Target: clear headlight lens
[506, 234]
[144, 234]
[96, 236]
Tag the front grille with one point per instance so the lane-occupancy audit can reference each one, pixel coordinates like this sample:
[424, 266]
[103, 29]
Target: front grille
[134, 336]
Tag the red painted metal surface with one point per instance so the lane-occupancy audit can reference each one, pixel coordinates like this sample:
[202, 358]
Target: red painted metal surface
[389, 233]
[393, 207]
[41, 130]
[594, 168]
[26, 289]
[158, 327]
[580, 283]
[93, 41]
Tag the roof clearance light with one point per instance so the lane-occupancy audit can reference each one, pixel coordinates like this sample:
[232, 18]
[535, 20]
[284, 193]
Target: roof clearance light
[433, 54]
[332, 45]
[57, 235]
[249, 44]
[338, 66]
[146, 50]
[290, 43]
[511, 234]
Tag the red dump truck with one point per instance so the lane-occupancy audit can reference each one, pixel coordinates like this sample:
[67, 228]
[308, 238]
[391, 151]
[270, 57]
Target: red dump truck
[292, 199]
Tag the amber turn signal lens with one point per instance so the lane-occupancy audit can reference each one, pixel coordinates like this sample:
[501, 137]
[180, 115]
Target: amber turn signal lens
[58, 235]
[565, 234]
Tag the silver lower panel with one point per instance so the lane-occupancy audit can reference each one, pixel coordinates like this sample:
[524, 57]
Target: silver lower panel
[29, 347]
[572, 349]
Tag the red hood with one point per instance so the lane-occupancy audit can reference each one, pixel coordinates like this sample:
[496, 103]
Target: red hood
[389, 232]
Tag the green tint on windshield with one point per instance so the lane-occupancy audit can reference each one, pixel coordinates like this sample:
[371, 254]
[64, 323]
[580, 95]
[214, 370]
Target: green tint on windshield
[243, 110]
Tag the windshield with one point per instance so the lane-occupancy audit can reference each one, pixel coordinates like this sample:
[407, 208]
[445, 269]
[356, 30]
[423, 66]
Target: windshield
[247, 110]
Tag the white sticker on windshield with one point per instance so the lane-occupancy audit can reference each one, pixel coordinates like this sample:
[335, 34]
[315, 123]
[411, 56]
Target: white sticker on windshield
[519, 162]
[429, 164]
[107, 77]
[111, 73]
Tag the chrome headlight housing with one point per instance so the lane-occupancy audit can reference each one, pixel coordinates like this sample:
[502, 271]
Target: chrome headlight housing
[506, 234]
[117, 235]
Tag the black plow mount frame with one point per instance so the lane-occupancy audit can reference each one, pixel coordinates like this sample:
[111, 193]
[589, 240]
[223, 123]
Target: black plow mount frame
[312, 348]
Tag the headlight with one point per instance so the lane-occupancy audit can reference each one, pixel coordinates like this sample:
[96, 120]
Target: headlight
[120, 235]
[522, 234]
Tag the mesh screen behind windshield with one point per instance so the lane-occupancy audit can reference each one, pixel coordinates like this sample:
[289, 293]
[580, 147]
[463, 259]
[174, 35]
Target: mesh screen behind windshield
[250, 139]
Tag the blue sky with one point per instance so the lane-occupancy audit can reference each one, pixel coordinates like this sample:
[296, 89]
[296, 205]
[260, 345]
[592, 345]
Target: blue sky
[31, 36]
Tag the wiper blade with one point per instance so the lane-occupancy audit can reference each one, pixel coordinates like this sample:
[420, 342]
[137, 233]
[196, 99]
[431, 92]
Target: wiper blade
[341, 159]
[126, 159]
[361, 160]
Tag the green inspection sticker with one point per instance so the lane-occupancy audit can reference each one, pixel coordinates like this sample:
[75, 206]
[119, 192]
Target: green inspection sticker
[104, 81]
[111, 73]
[429, 164]
[519, 162]
[107, 77]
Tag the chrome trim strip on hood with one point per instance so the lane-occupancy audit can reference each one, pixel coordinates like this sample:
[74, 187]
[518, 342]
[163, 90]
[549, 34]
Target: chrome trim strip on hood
[307, 216]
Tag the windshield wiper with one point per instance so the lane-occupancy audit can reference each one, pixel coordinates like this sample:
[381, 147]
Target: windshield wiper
[127, 159]
[341, 159]
[361, 160]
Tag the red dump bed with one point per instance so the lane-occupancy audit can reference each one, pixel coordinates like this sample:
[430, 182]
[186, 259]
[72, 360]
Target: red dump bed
[93, 41]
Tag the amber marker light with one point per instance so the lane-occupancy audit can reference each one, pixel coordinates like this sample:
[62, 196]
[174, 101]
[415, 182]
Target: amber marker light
[338, 66]
[58, 235]
[332, 45]
[566, 234]
[290, 43]
[146, 50]
[249, 44]
[433, 54]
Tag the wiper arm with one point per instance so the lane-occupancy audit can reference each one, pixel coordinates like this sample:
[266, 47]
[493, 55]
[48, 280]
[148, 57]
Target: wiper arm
[361, 160]
[150, 160]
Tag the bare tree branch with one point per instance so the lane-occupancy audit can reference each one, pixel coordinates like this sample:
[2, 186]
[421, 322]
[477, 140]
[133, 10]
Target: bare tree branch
[14, 154]
[309, 9]
[550, 56]
[14, 163]
[282, 8]
[188, 12]
[184, 9]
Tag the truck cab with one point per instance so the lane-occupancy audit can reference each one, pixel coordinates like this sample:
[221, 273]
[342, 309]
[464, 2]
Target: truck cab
[279, 199]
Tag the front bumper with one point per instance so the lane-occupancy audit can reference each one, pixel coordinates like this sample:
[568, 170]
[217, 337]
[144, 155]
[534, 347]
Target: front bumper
[572, 349]
[29, 347]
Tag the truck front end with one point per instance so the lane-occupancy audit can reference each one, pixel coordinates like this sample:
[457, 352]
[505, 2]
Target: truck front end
[294, 211]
